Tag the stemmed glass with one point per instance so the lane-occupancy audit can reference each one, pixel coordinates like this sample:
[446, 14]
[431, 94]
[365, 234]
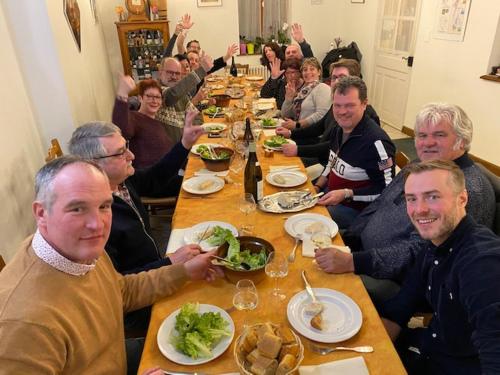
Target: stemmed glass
[245, 297]
[247, 205]
[277, 267]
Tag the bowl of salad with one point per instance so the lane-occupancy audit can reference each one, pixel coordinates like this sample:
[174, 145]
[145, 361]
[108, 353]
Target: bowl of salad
[216, 159]
[250, 250]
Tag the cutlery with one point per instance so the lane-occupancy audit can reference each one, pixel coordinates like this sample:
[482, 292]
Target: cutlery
[315, 307]
[166, 372]
[216, 112]
[323, 350]
[243, 265]
[291, 256]
[203, 235]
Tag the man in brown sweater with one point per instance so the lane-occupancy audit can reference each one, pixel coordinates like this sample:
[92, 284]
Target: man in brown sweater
[61, 301]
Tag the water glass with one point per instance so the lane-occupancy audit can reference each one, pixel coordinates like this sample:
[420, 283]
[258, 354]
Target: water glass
[276, 268]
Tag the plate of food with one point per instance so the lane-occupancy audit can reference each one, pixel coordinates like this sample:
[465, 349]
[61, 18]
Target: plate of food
[255, 78]
[276, 142]
[235, 93]
[305, 225]
[236, 85]
[195, 334]
[286, 178]
[287, 201]
[200, 147]
[213, 127]
[340, 319]
[202, 185]
[270, 123]
[216, 87]
[208, 234]
[214, 111]
[214, 78]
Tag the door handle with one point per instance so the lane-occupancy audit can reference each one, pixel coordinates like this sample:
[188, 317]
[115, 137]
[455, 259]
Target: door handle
[409, 60]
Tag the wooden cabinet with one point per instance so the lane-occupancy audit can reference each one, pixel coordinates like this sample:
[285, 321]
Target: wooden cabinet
[142, 45]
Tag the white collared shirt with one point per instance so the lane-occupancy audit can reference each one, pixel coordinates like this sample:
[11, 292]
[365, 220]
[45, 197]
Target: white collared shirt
[50, 256]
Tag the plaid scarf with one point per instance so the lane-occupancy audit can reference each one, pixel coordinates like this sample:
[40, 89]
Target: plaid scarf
[303, 92]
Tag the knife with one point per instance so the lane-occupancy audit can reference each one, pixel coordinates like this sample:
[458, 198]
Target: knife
[315, 306]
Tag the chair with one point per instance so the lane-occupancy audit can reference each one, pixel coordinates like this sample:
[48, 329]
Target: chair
[495, 182]
[401, 159]
[55, 150]
[242, 68]
[153, 205]
[2, 263]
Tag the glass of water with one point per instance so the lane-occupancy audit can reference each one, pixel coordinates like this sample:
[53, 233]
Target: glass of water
[245, 298]
[276, 268]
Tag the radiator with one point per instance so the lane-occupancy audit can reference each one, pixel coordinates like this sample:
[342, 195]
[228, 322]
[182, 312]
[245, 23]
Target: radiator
[259, 70]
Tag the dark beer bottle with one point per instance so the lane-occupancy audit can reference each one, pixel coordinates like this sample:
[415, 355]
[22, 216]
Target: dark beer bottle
[248, 136]
[233, 70]
[253, 174]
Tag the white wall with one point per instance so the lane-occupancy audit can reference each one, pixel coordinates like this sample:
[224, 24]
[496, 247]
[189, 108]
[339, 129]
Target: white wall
[22, 152]
[449, 71]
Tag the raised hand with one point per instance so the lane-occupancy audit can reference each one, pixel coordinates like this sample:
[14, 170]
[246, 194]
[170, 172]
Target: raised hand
[297, 33]
[231, 50]
[178, 29]
[290, 90]
[125, 85]
[190, 132]
[276, 70]
[206, 61]
[186, 22]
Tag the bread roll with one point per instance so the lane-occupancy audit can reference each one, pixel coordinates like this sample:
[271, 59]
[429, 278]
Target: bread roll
[317, 321]
[286, 335]
[279, 179]
[205, 185]
[286, 365]
[264, 366]
[263, 329]
[250, 341]
[270, 345]
[252, 356]
[292, 349]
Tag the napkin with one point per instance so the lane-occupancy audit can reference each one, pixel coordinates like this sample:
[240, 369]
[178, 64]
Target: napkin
[206, 172]
[308, 248]
[314, 171]
[175, 240]
[350, 366]
[269, 132]
[267, 100]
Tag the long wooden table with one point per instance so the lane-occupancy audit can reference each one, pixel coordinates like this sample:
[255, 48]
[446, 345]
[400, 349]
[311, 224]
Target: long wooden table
[223, 206]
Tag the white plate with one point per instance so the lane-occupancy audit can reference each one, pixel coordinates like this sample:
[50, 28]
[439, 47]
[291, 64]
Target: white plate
[297, 224]
[169, 351]
[216, 87]
[195, 147]
[342, 317]
[207, 126]
[191, 235]
[191, 185]
[254, 78]
[292, 178]
[214, 78]
[290, 142]
[269, 203]
[264, 106]
[278, 122]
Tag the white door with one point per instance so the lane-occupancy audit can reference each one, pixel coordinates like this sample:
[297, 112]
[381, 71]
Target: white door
[398, 22]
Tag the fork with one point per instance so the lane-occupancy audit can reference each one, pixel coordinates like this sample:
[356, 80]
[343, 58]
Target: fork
[291, 256]
[324, 350]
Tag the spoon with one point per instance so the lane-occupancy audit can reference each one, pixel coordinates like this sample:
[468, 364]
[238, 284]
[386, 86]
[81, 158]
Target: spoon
[243, 265]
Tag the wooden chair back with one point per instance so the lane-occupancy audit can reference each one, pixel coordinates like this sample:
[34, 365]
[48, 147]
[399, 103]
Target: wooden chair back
[243, 68]
[55, 150]
[401, 159]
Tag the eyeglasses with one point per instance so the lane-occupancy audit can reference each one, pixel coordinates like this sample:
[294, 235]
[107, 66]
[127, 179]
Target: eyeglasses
[151, 97]
[171, 72]
[118, 154]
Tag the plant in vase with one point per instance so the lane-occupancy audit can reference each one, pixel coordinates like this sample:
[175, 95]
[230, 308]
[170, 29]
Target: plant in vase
[283, 38]
[259, 41]
[250, 47]
[243, 45]
[120, 12]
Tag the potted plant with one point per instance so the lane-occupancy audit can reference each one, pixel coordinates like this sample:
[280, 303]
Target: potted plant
[243, 45]
[250, 47]
[283, 35]
[259, 41]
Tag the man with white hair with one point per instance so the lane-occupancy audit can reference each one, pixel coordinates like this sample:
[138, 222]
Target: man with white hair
[384, 242]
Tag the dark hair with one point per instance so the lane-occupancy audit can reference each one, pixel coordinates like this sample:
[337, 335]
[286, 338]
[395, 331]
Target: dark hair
[292, 63]
[350, 64]
[457, 179]
[346, 83]
[181, 56]
[192, 41]
[277, 50]
[148, 84]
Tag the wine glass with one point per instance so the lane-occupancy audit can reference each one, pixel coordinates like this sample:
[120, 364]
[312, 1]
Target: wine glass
[277, 267]
[245, 297]
[247, 205]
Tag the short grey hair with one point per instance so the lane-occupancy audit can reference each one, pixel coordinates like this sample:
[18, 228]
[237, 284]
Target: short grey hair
[85, 141]
[434, 113]
[44, 179]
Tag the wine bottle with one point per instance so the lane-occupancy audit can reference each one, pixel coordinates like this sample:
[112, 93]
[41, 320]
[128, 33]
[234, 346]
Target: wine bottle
[248, 135]
[253, 174]
[149, 38]
[233, 70]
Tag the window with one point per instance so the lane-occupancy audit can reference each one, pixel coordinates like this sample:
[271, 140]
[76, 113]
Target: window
[262, 18]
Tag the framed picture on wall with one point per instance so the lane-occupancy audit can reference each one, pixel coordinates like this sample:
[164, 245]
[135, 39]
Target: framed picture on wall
[209, 3]
[451, 20]
[358, 1]
[72, 14]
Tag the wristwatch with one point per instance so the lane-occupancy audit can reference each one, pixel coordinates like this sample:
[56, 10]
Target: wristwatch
[297, 125]
[347, 195]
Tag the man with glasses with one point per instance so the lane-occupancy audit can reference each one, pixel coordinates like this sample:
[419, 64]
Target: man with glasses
[176, 93]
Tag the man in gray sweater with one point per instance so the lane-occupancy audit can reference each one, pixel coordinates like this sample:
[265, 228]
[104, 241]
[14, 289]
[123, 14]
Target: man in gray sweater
[382, 238]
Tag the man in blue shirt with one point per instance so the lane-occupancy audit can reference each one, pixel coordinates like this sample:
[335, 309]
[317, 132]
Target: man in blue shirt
[456, 276]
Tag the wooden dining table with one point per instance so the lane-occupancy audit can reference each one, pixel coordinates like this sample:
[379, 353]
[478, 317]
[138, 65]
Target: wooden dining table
[223, 206]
